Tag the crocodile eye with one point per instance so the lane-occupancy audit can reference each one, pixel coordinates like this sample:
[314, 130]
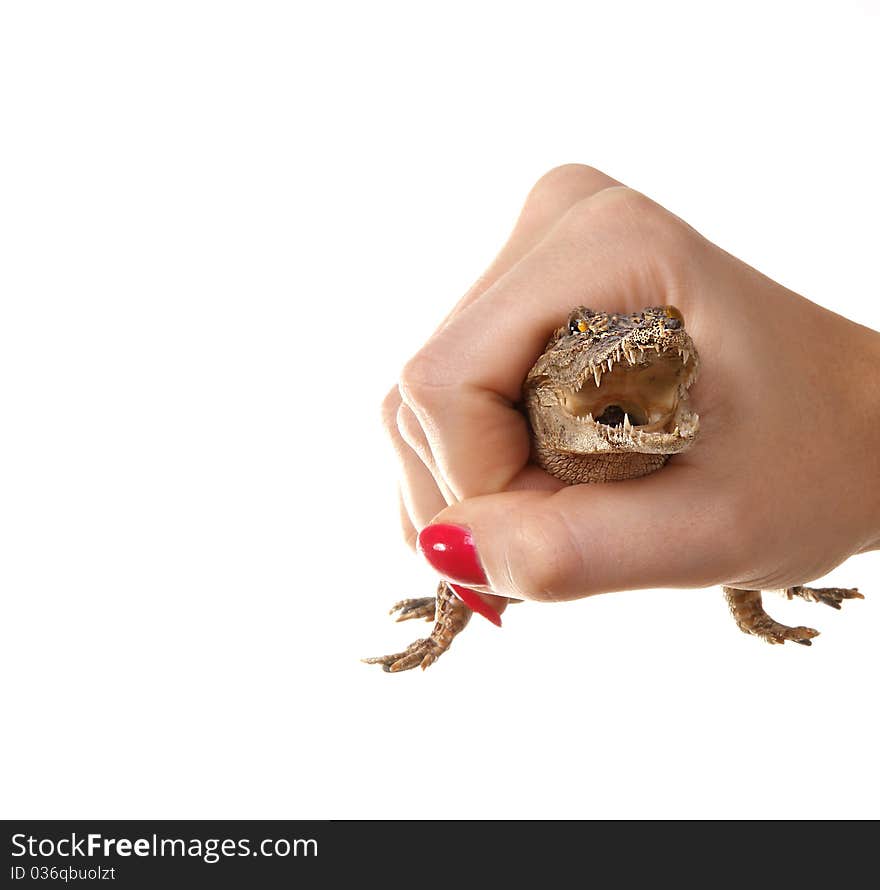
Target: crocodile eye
[577, 326]
[672, 312]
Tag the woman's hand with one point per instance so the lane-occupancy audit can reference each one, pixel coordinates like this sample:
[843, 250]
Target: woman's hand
[782, 485]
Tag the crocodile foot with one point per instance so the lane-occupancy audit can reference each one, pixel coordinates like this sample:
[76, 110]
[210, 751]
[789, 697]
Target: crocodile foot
[831, 596]
[750, 617]
[424, 607]
[421, 653]
[451, 617]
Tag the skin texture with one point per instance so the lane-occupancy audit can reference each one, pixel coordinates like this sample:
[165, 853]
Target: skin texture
[785, 483]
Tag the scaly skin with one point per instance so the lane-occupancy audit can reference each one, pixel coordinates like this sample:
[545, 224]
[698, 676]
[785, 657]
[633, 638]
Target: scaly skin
[608, 400]
[451, 617]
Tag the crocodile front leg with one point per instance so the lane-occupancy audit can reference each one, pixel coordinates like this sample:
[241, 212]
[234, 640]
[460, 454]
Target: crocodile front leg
[748, 612]
[451, 617]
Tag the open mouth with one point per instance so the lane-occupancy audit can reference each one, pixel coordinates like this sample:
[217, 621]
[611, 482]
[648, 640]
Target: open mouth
[642, 391]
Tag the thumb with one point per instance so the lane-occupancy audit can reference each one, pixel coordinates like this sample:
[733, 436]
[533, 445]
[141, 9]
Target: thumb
[656, 531]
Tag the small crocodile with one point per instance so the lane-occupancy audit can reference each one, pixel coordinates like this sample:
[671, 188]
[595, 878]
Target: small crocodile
[608, 400]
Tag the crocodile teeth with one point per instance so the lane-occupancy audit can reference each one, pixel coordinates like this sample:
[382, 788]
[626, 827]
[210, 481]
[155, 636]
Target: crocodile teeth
[627, 425]
[597, 374]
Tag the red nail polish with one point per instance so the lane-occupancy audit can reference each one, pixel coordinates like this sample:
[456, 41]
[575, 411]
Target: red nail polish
[474, 601]
[450, 550]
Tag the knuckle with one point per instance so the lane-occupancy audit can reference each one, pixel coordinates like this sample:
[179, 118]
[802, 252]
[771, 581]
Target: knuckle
[541, 559]
[621, 204]
[420, 382]
[565, 183]
[670, 237]
[636, 218]
[415, 375]
[609, 207]
[650, 220]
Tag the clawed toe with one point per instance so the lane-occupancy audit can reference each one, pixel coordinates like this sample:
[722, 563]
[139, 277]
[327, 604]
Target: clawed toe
[780, 633]
[830, 596]
[423, 607]
[422, 653]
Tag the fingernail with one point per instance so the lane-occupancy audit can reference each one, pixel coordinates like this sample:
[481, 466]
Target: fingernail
[451, 551]
[474, 601]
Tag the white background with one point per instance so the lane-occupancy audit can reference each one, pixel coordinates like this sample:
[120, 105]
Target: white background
[225, 226]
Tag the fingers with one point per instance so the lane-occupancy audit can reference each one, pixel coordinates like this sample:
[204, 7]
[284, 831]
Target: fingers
[614, 250]
[458, 434]
[657, 531]
[427, 493]
[420, 497]
[423, 490]
[552, 196]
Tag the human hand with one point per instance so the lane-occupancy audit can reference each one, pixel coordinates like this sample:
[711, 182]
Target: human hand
[783, 483]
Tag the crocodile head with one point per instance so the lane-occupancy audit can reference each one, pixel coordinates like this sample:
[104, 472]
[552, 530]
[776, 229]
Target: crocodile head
[615, 382]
